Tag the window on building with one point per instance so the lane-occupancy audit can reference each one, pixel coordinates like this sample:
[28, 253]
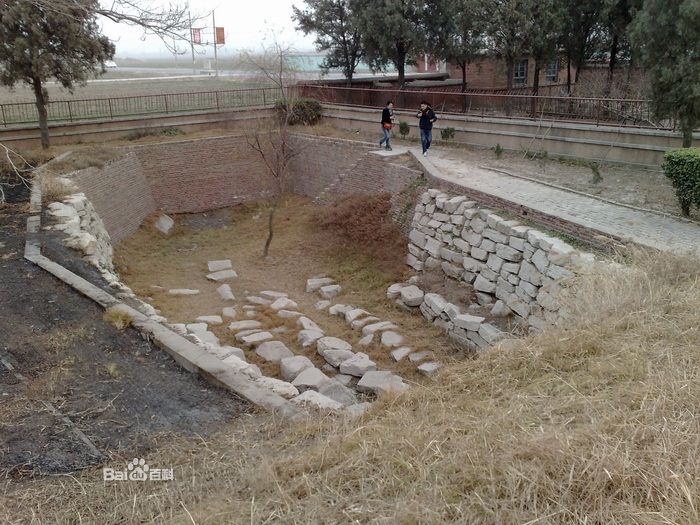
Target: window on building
[552, 72]
[520, 73]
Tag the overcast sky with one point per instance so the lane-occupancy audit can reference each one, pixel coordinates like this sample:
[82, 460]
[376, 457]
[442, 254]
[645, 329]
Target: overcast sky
[246, 23]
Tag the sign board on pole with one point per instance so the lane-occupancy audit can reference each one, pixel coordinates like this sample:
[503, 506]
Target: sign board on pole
[220, 39]
[196, 35]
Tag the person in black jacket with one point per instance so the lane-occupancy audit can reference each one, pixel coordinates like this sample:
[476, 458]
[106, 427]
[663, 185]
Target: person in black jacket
[427, 117]
[387, 124]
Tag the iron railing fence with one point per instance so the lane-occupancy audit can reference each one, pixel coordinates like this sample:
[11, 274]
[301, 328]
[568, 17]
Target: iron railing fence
[599, 111]
[122, 107]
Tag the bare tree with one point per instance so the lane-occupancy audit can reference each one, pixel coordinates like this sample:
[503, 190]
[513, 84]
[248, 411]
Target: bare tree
[271, 137]
[16, 167]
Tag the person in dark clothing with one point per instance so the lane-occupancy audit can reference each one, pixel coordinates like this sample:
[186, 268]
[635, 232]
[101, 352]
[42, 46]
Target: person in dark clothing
[427, 117]
[387, 124]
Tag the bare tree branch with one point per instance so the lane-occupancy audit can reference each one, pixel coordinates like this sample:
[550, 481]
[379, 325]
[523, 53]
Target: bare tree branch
[11, 157]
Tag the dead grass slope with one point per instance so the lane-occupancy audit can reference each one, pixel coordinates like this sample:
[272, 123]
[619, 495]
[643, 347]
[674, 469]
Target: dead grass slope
[595, 424]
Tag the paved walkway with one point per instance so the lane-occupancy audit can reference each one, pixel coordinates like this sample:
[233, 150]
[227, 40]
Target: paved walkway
[641, 227]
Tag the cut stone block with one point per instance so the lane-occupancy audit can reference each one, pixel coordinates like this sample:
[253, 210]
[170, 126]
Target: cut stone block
[308, 324]
[366, 340]
[218, 266]
[398, 354]
[311, 399]
[310, 378]
[359, 323]
[315, 284]
[411, 295]
[468, 322]
[338, 392]
[343, 379]
[239, 365]
[225, 292]
[179, 328]
[330, 291]
[164, 224]
[500, 310]
[222, 275]
[256, 338]
[490, 333]
[272, 295]
[332, 343]
[254, 299]
[288, 314]
[378, 327]
[381, 382]
[210, 319]
[394, 290]
[291, 367]
[415, 357]
[229, 312]
[237, 326]
[283, 303]
[273, 351]
[222, 352]
[339, 309]
[183, 291]
[207, 337]
[357, 365]
[279, 387]
[309, 337]
[322, 305]
[483, 285]
[355, 313]
[391, 339]
[335, 356]
[357, 410]
[240, 335]
[428, 369]
[197, 327]
[435, 302]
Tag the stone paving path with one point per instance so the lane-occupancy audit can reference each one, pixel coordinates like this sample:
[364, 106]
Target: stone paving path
[641, 227]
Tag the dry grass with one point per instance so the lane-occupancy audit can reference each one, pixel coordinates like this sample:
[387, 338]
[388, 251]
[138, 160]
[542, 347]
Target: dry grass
[118, 317]
[54, 188]
[597, 423]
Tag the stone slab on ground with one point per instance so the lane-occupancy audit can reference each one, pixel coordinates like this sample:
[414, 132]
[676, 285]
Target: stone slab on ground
[310, 378]
[183, 291]
[220, 265]
[428, 369]
[315, 284]
[339, 309]
[338, 392]
[254, 299]
[378, 327]
[273, 351]
[222, 275]
[357, 410]
[272, 295]
[279, 387]
[411, 295]
[307, 324]
[291, 367]
[381, 382]
[283, 303]
[164, 224]
[329, 291]
[309, 337]
[312, 399]
[288, 314]
[225, 292]
[415, 357]
[359, 323]
[248, 324]
[332, 343]
[256, 338]
[229, 311]
[197, 327]
[391, 339]
[400, 353]
[336, 356]
[358, 365]
[322, 304]
[210, 319]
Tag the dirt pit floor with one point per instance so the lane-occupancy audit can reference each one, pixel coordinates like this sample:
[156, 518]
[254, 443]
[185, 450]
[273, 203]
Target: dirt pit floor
[151, 264]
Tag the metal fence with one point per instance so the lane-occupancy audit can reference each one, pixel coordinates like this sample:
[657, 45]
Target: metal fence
[122, 107]
[600, 111]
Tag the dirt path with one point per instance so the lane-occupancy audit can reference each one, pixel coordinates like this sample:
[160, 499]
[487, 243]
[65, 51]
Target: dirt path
[126, 396]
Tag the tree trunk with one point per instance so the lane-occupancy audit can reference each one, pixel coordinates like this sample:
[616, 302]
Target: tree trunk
[535, 90]
[568, 73]
[687, 130]
[401, 68]
[611, 64]
[40, 101]
[510, 64]
[270, 224]
[463, 67]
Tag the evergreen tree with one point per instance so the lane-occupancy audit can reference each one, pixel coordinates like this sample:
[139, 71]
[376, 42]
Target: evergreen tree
[392, 32]
[579, 32]
[667, 35]
[336, 33]
[509, 27]
[39, 43]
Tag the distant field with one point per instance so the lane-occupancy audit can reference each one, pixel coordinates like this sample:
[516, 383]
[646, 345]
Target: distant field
[131, 87]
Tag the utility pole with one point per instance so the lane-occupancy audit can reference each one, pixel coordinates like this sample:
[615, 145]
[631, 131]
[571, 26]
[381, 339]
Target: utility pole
[216, 58]
[194, 70]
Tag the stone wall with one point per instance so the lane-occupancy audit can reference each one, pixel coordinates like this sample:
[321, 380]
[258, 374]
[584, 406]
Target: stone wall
[519, 267]
[120, 194]
[197, 175]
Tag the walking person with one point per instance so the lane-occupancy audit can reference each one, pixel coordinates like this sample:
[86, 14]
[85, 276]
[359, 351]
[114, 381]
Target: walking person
[427, 117]
[387, 124]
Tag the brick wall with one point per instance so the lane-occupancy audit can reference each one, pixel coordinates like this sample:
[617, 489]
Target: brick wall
[198, 175]
[326, 169]
[119, 193]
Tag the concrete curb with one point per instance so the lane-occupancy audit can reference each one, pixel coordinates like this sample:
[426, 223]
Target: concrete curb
[187, 354]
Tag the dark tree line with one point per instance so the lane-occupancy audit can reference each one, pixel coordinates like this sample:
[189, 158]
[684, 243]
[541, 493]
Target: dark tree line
[661, 36]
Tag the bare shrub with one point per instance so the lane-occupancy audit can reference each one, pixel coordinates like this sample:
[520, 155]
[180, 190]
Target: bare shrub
[118, 317]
